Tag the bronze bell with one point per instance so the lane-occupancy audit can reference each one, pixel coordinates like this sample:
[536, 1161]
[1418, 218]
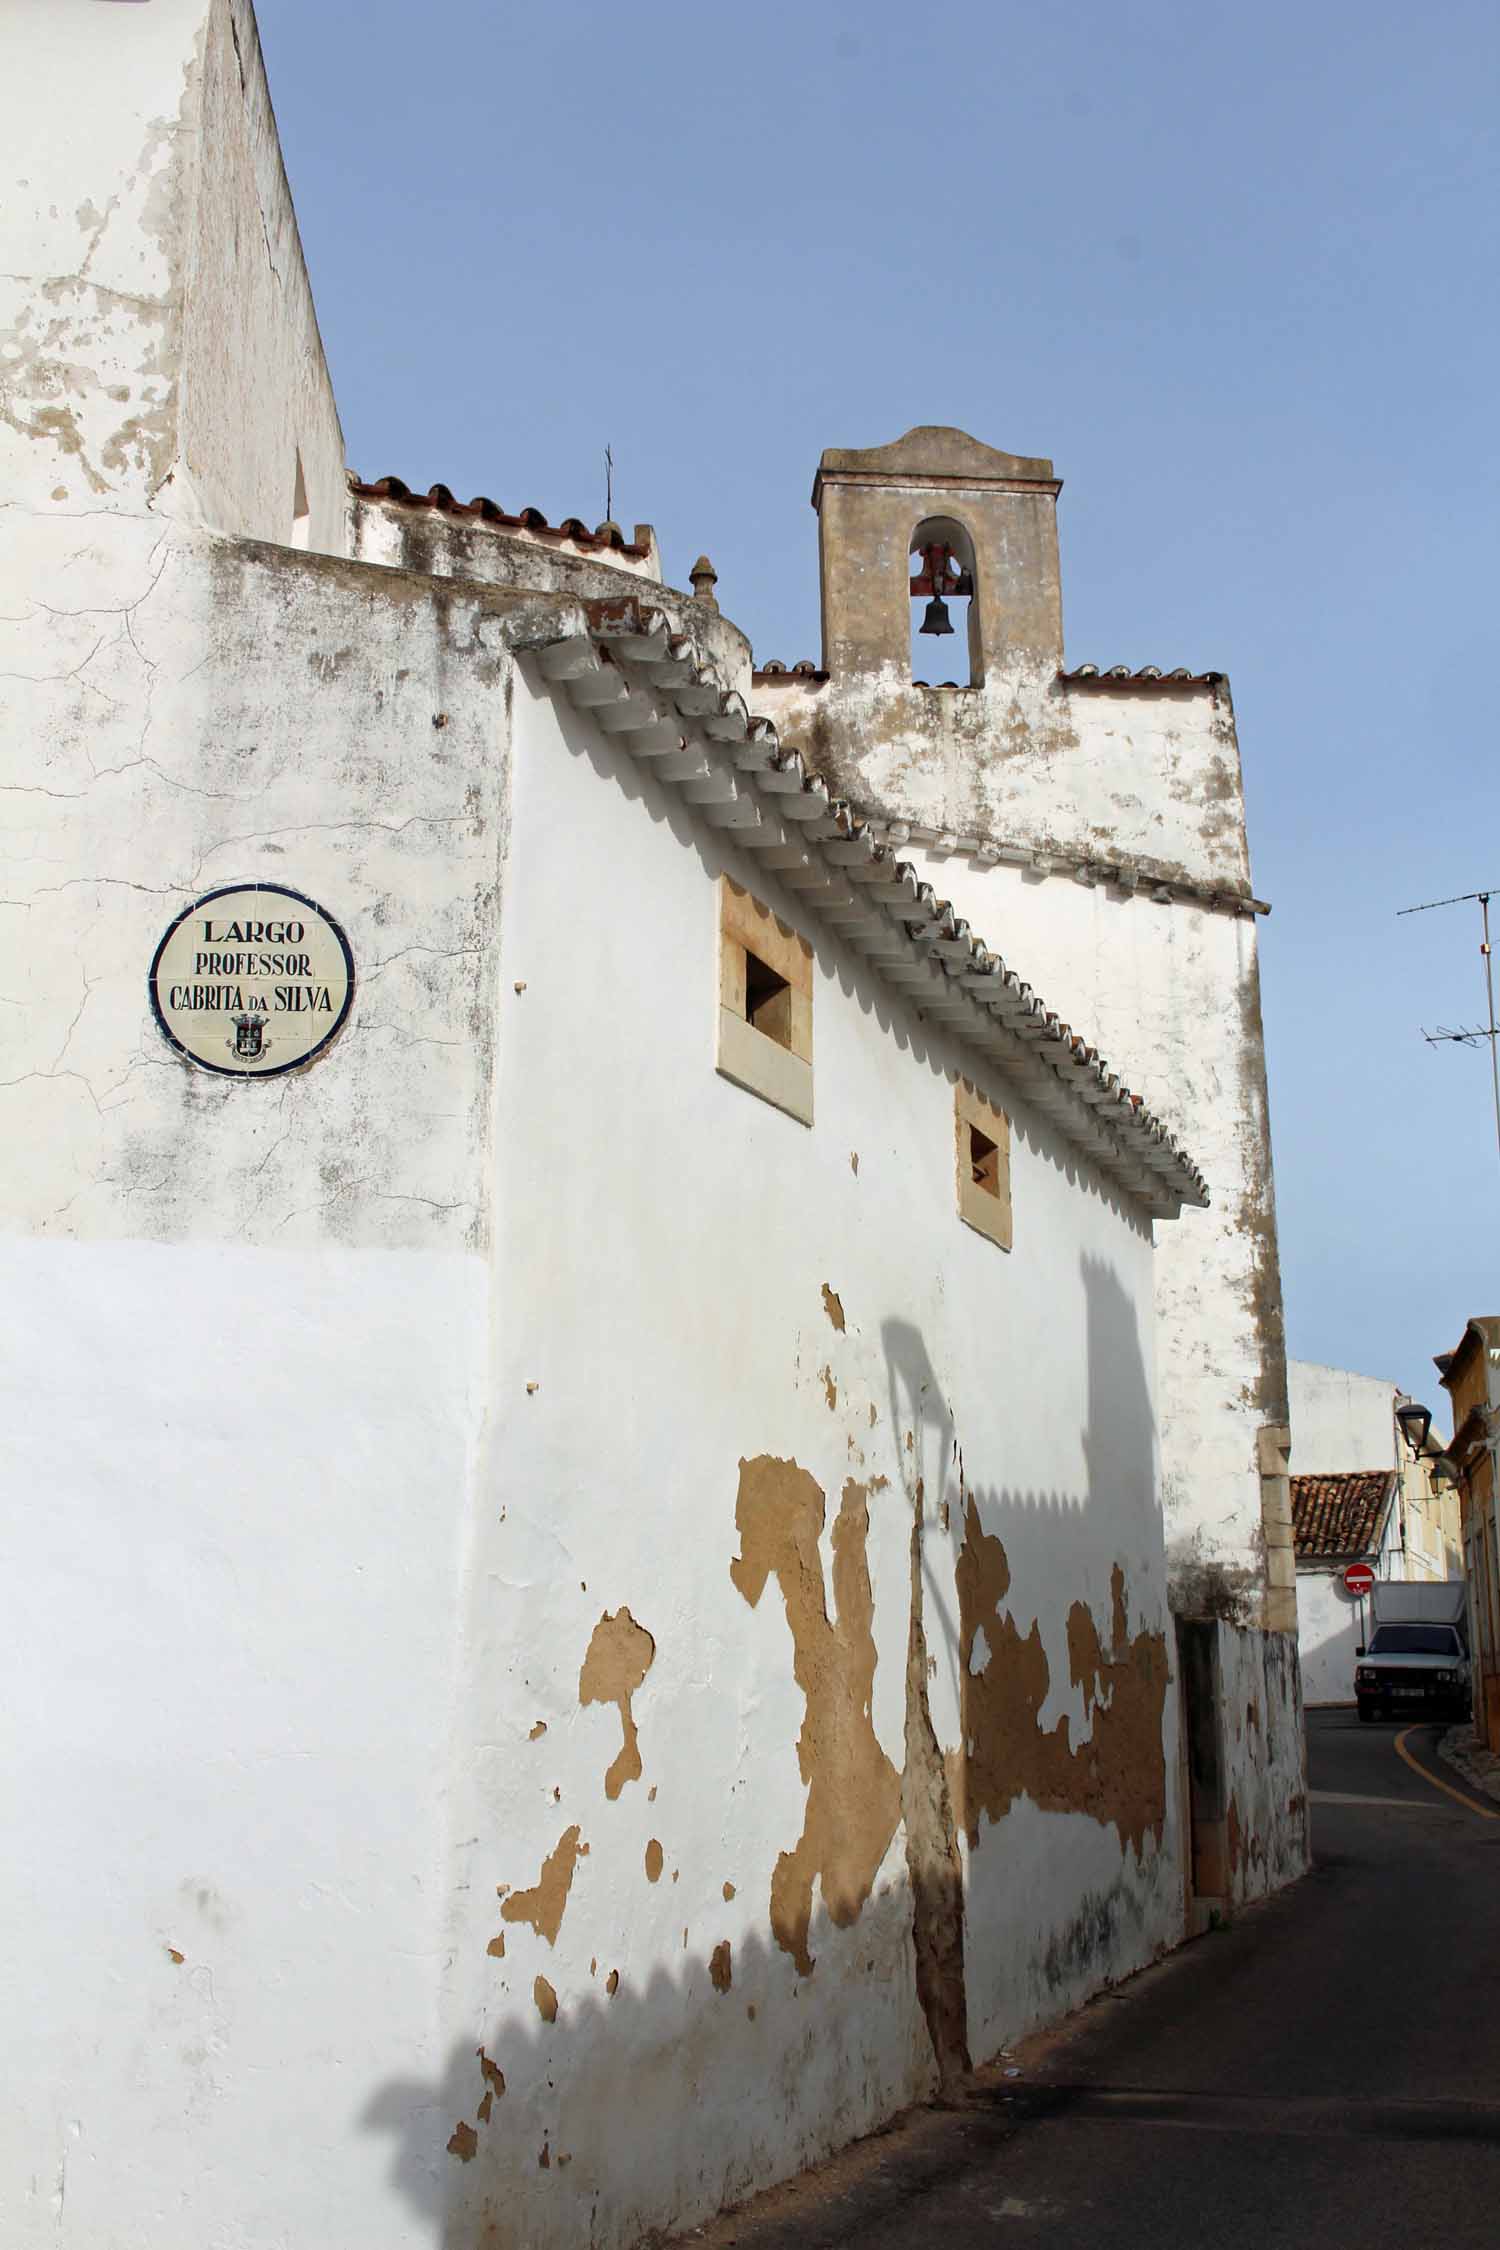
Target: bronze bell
[936, 620]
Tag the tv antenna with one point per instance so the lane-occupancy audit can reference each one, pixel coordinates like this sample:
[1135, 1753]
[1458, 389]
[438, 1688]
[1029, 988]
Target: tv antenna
[609, 484]
[1471, 1035]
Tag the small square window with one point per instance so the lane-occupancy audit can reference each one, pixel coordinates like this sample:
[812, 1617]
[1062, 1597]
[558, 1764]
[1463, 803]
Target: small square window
[984, 1162]
[983, 1144]
[768, 1000]
[765, 1004]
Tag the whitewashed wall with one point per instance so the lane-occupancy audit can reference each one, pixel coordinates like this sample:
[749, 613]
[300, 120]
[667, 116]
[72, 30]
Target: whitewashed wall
[1341, 1421]
[1262, 1698]
[664, 1242]
[307, 1561]
[1163, 992]
[158, 344]
[1170, 995]
[1101, 775]
[1331, 1625]
[247, 1343]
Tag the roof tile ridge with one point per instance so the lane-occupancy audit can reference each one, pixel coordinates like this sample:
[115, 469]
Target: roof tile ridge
[440, 498]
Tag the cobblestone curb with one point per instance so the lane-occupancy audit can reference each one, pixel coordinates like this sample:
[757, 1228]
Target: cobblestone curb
[1461, 1749]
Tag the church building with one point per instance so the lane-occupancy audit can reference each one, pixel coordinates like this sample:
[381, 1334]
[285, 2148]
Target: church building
[645, 1414]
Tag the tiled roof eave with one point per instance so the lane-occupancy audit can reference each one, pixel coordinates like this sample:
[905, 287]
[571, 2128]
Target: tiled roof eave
[1339, 1515]
[629, 665]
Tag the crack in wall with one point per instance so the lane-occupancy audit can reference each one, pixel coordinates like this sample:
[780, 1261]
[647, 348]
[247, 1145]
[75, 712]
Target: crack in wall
[934, 1868]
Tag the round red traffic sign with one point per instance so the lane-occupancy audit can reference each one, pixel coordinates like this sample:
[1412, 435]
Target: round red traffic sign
[1358, 1578]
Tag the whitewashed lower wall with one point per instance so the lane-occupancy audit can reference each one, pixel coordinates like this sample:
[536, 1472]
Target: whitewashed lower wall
[235, 1482]
[1265, 1761]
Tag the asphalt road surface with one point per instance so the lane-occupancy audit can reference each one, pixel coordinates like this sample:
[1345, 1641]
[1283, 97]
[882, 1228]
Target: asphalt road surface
[1324, 2073]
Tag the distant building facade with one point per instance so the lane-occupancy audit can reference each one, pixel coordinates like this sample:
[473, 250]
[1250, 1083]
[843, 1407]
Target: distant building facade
[1471, 1376]
[659, 1505]
[1358, 1495]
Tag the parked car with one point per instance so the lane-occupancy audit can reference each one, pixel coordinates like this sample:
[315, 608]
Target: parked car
[1414, 1668]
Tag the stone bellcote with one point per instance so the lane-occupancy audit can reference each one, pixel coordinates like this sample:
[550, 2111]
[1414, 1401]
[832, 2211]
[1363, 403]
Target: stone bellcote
[998, 513]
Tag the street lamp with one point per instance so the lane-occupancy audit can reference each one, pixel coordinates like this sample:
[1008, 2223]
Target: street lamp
[1415, 1421]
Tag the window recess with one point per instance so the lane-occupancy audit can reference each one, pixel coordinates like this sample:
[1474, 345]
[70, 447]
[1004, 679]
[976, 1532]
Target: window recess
[765, 1004]
[982, 1135]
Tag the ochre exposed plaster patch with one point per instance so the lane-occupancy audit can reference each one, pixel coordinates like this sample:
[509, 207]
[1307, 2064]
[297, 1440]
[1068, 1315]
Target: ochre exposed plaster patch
[654, 1861]
[620, 1654]
[546, 2000]
[544, 1905]
[721, 1966]
[853, 1790]
[1119, 1774]
[833, 1307]
[463, 2142]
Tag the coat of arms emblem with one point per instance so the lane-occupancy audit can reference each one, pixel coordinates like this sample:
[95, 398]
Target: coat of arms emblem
[249, 1039]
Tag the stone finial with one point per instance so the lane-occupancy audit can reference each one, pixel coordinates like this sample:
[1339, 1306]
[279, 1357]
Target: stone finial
[704, 578]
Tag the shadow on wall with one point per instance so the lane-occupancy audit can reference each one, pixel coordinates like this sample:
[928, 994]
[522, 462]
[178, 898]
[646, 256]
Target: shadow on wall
[972, 1545]
[657, 2097]
[583, 2125]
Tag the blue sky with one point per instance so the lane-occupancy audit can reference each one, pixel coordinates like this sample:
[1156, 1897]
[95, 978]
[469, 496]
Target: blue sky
[1235, 271]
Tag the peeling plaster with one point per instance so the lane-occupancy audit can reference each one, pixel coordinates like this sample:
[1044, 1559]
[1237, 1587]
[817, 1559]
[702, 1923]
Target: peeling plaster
[620, 1654]
[853, 1790]
[1118, 1773]
[545, 1904]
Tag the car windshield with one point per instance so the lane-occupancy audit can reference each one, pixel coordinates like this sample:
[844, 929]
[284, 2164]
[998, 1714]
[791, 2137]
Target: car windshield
[1413, 1640]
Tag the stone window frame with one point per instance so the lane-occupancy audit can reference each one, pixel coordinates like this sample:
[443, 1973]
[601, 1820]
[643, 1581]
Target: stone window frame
[778, 1068]
[987, 1210]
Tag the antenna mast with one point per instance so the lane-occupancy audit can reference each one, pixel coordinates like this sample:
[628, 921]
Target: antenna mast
[1489, 1029]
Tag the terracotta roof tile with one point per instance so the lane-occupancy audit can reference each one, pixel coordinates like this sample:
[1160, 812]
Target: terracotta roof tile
[1342, 1514]
[1149, 675]
[489, 511]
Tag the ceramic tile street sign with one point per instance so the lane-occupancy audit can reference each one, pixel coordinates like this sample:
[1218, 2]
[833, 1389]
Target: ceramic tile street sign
[252, 980]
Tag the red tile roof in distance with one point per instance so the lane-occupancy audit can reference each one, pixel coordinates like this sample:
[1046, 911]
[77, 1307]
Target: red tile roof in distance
[1343, 1514]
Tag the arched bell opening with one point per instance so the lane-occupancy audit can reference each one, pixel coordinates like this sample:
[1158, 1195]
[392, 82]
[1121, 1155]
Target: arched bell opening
[943, 607]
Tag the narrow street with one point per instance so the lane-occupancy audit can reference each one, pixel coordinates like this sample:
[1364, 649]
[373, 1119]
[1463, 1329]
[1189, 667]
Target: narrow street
[1325, 2072]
